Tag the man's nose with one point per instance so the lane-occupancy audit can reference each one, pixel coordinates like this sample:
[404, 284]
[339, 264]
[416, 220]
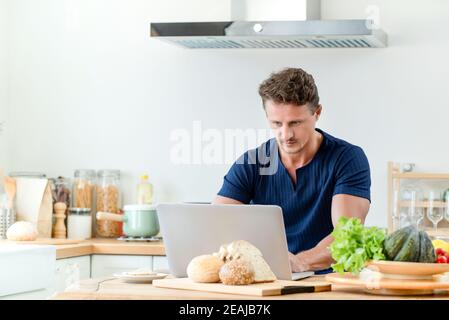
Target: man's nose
[286, 133]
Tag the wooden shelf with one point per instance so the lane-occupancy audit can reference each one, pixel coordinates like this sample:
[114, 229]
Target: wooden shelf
[423, 204]
[441, 232]
[420, 175]
[396, 181]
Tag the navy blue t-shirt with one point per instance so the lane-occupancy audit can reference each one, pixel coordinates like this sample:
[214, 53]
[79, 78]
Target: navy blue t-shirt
[259, 177]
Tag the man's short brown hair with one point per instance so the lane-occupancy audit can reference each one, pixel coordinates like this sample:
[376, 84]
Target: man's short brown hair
[290, 86]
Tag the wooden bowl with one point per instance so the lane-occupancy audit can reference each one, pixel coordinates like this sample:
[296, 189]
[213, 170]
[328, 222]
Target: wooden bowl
[407, 270]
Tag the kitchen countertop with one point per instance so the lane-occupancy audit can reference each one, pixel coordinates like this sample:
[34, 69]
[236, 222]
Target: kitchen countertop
[115, 289]
[105, 246]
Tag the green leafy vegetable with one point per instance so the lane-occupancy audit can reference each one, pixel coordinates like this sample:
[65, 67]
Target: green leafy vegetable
[355, 244]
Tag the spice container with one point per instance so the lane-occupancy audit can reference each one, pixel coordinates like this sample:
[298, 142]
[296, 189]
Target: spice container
[60, 189]
[61, 202]
[79, 223]
[108, 200]
[83, 188]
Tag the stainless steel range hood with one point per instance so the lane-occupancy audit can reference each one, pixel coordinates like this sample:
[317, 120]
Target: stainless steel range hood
[272, 24]
[272, 34]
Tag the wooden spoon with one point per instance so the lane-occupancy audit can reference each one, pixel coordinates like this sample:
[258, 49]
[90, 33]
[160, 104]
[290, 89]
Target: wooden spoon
[10, 188]
[2, 176]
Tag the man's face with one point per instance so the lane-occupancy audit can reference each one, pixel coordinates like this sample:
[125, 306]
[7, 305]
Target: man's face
[294, 126]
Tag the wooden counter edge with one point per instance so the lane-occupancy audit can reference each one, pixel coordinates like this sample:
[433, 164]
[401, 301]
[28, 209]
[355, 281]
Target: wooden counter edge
[153, 249]
[71, 251]
[109, 247]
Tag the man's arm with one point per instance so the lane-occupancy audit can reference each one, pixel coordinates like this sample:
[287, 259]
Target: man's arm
[319, 257]
[225, 200]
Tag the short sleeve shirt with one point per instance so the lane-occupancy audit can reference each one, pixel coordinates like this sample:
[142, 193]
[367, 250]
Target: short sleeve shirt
[259, 177]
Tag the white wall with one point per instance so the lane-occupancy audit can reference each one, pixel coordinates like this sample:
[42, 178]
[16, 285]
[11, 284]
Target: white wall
[90, 89]
[4, 73]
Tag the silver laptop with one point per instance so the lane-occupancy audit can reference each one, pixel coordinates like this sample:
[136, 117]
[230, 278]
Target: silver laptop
[190, 230]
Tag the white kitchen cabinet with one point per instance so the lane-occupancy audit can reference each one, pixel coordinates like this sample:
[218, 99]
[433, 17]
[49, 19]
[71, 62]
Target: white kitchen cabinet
[107, 265]
[71, 270]
[26, 271]
[160, 263]
[67, 272]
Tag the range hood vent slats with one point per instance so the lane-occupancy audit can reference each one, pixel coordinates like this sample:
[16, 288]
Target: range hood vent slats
[270, 44]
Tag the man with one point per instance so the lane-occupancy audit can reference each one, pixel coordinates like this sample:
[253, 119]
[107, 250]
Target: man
[314, 177]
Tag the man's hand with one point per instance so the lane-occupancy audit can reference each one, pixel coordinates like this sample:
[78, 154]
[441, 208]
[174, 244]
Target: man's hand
[297, 262]
[319, 257]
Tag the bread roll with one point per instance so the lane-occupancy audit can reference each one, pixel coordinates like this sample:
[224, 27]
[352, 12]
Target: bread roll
[204, 268]
[237, 272]
[22, 231]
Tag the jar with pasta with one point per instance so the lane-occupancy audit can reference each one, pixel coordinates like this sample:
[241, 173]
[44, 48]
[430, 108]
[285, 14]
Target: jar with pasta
[108, 200]
[83, 189]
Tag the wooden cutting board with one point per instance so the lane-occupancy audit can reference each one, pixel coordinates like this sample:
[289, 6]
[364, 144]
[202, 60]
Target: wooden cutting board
[276, 288]
[51, 241]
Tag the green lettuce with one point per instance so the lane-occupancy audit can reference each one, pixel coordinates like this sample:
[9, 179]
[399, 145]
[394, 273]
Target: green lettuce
[355, 244]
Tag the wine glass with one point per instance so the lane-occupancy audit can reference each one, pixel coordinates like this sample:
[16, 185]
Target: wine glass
[446, 206]
[434, 213]
[415, 213]
[396, 214]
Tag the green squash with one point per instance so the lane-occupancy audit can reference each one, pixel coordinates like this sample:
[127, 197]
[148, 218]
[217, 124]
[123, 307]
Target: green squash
[409, 245]
[427, 250]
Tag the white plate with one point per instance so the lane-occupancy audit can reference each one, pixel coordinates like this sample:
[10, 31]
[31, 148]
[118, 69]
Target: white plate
[139, 278]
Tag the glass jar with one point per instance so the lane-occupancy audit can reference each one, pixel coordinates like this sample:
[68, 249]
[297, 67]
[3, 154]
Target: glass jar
[79, 223]
[83, 189]
[27, 174]
[60, 188]
[108, 200]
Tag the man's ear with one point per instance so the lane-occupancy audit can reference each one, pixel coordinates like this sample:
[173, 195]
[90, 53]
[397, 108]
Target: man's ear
[318, 111]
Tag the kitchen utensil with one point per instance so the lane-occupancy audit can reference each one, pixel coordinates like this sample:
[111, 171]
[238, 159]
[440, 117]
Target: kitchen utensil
[276, 288]
[60, 230]
[378, 285]
[138, 220]
[10, 188]
[7, 219]
[2, 176]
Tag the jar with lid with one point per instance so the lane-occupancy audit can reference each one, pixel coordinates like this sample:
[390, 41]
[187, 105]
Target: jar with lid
[27, 174]
[108, 200]
[79, 223]
[60, 188]
[83, 189]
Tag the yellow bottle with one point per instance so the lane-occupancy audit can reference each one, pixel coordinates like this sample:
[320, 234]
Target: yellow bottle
[144, 191]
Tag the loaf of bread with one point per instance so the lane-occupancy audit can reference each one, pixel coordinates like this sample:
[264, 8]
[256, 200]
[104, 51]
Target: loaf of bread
[236, 263]
[242, 249]
[237, 272]
[204, 268]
